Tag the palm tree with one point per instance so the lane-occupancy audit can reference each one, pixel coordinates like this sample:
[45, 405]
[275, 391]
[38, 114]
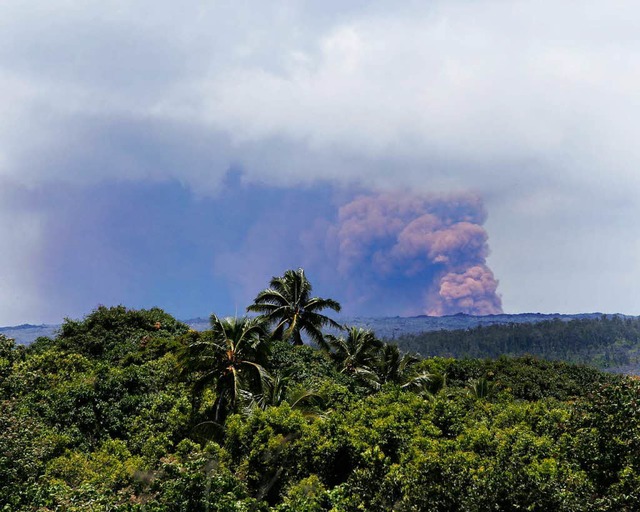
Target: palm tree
[288, 304]
[394, 367]
[356, 353]
[481, 388]
[278, 390]
[229, 357]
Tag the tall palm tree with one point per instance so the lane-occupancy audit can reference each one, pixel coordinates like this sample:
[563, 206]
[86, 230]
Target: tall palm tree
[229, 358]
[288, 304]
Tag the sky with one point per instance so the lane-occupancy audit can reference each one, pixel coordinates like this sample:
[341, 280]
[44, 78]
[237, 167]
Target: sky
[414, 157]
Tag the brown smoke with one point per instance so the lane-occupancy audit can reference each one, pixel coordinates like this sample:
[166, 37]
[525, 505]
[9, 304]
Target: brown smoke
[430, 250]
[472, 292]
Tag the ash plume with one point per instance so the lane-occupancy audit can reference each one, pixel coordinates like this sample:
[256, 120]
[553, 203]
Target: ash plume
[415, 255]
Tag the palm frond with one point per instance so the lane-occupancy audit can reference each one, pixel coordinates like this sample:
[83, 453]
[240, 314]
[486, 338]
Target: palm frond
[317, 303]
[368, 376]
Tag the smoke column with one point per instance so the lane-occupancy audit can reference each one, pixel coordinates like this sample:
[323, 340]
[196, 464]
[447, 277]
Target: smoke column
[377, 253]
[415, 255]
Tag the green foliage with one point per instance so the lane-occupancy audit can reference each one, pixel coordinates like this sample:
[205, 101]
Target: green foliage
[305, 365]
[8, 355]
[607, 441]
[308, 495]
[26, 445]
[525, 377]
[111, 414]
[113, 333]
[264, 446]
[193, 479]
[110, 468]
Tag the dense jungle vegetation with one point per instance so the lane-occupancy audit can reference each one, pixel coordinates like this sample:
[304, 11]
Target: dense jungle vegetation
[130, 410]
[607, 342]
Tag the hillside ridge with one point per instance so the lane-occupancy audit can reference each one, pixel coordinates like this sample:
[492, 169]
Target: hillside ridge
[388, 327]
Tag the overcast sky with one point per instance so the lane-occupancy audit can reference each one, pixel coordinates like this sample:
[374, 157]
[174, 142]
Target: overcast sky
[180, 154]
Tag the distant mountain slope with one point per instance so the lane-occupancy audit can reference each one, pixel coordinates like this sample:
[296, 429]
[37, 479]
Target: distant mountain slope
[609, 341]
[26, 333]
[393, 327]
[384, 327]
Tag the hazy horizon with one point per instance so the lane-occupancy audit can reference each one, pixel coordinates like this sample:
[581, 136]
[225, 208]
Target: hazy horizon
[338, 316]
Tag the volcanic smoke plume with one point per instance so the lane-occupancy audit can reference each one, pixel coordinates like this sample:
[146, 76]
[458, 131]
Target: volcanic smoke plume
[416, 255]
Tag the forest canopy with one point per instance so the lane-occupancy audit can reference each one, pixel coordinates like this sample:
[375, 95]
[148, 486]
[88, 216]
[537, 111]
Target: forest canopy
[131, 410]
[608, 342]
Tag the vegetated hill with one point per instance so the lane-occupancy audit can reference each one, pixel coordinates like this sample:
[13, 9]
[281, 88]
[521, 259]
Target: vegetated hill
[392, 327]
[608, 342]
[131, 411]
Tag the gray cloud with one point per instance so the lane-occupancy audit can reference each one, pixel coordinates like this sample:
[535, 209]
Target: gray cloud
[530, 104]
[457, 94]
